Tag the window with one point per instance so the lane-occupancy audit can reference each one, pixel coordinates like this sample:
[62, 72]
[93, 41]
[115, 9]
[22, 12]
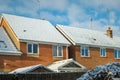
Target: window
[32, 48]
[57, 51]
[117, 53]
[103, 52]
[84, 51]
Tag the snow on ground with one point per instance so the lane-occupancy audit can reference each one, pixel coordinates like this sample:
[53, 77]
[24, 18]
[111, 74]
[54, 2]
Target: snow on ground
[104, 72]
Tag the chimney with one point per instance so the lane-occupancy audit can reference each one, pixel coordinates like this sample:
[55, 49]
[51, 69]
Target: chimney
[109, 32]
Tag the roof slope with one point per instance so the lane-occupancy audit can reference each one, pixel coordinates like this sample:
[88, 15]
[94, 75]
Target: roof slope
[65, 64]
[34, 68]
[6, 44]
[34, 29]
[88, 37]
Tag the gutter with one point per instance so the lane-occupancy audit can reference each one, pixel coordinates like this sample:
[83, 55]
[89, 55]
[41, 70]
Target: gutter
[10, 53]
[43, 42]
[91, 45]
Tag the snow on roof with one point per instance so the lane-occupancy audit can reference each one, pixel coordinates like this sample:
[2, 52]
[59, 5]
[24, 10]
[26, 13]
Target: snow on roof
[117, 39]
[58, 64]
[30, 69]
[34, 29]
[6, 45]
[88, 37]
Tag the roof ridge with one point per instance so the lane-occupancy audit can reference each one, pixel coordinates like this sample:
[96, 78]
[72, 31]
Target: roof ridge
[80, 28]
[25, 17]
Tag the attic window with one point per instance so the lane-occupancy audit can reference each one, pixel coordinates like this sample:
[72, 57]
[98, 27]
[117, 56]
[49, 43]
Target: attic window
[3, 44]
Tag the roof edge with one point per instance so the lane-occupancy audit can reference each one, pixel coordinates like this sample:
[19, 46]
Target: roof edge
[65, 35]
[43, 42]
[10, 53]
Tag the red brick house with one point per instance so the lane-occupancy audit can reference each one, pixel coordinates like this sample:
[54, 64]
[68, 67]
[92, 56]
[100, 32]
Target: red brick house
[91, 48]
[27, 41]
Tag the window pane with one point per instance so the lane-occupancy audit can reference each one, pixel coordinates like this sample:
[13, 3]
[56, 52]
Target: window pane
[115, 53]
[35, 48]
[29, 48]
[86, 51]
[119, 54]
[102, 52]
[82, 51]
[54, 50]
[59, 51]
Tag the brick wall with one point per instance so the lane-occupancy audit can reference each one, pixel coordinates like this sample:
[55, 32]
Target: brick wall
[11, 62]
[94, 59]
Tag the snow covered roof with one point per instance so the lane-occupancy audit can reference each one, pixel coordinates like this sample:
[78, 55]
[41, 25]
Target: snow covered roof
[80, 36]
[117, 39]
[6, 45]
[66, 64]
[28, 29]
[34, 68]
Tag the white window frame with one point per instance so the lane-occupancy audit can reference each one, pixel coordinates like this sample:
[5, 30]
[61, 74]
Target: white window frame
[101, 50]
[57, 51]
[118, 53]
[84, 51]
[32, 48]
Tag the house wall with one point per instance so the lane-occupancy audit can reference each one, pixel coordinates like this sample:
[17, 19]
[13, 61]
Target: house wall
[95, 59]
[11, 62]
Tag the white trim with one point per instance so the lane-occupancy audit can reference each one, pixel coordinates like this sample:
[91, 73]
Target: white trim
[84, 49]
[32, 48]
[95, 45]
[43, 42]
[102, 53]
[65, 35]
[10, 53]
[117, 53]
[57, 50]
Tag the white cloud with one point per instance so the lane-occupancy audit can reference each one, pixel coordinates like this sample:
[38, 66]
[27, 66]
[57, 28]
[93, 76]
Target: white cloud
[59, 5]
[94, 25]
[112, 17]
[54, 18]
[116, 30]
[68, 12]
[101, 4]
[76, 14]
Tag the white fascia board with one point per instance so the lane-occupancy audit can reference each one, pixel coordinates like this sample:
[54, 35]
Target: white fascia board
[65, 35]
[91, 45]
[10, 53]
[43, 42]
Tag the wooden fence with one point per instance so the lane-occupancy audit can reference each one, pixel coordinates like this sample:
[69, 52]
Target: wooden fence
[42, 76]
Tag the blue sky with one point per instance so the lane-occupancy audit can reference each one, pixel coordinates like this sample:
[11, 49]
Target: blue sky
[76, 13]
